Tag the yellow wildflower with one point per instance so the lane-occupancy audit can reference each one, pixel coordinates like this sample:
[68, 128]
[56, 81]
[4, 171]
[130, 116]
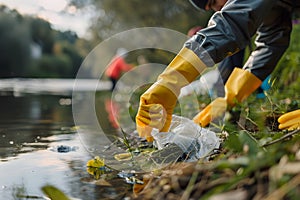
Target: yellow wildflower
[96, 162]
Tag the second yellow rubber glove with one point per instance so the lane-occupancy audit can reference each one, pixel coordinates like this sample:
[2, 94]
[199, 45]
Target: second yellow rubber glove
[239, 86]
[290, 120]
[157, 103]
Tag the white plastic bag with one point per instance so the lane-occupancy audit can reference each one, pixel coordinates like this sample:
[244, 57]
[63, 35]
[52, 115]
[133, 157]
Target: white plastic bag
[190, 137]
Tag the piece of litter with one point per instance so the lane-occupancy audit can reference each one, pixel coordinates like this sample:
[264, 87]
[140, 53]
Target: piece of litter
[194, 140]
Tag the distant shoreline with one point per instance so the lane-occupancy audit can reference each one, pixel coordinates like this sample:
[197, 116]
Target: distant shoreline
[52, 86]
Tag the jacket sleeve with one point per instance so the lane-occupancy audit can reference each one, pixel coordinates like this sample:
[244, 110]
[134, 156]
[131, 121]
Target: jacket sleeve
[231, 29]
[273, 38]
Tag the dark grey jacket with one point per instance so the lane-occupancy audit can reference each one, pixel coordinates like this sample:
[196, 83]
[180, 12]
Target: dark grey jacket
[231, 29]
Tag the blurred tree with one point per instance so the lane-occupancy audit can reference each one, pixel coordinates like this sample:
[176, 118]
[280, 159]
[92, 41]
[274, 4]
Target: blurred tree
[52, 66]
[69, 36]
[113, 16]
[67, 49]
[21, 39]
[42, 33]
[14, 43]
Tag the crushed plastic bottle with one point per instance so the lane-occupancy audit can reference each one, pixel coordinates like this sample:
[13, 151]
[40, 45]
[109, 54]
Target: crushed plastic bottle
[194, 140]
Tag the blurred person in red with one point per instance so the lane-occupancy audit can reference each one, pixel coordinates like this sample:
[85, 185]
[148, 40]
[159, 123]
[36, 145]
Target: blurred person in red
[117, 66]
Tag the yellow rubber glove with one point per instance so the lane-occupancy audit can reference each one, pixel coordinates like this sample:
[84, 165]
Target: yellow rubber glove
[157, 103]
[239, 86]
[290, 120]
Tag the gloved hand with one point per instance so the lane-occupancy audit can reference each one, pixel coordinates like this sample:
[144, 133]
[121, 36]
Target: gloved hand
[239, 86]
[157, 103]
[214, 110]
[290, 120]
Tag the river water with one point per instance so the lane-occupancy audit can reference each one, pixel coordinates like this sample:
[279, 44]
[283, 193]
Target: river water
[40, 144]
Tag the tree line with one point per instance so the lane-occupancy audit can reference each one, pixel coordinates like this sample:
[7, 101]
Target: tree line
[29, 47]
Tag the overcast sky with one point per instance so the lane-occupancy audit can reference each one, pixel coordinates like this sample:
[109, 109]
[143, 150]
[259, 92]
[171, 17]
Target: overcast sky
[57, 12]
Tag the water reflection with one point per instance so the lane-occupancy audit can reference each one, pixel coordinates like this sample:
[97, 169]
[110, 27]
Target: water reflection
[28, 118]
[31, 127]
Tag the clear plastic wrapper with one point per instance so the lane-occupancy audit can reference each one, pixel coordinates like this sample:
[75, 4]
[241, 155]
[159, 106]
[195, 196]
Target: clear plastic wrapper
[195, 141]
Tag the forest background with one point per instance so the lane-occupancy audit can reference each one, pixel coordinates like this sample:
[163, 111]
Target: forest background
[31, 48]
